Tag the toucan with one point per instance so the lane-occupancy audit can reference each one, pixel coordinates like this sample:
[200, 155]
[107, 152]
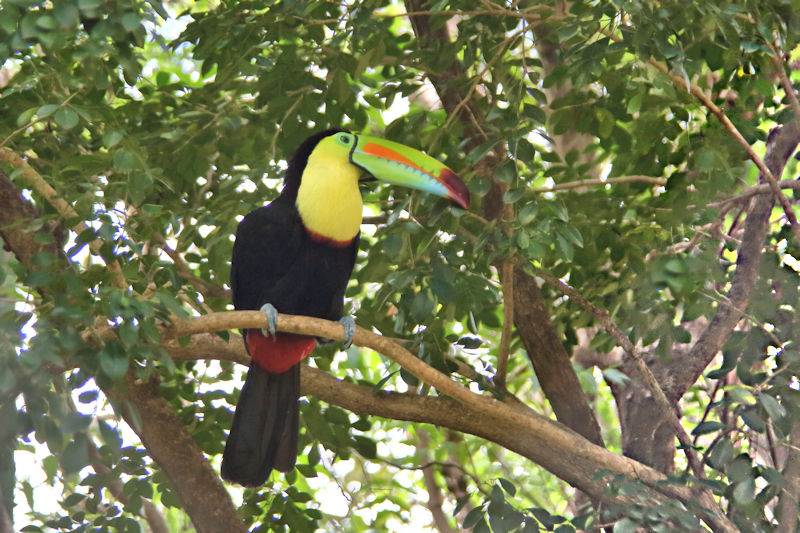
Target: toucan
[295, 255]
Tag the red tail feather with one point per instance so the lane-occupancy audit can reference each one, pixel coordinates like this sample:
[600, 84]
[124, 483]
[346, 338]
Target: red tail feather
[279, 353]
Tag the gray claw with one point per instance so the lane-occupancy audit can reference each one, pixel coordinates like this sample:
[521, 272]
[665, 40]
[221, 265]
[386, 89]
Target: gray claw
[349, 324]
[272, 319]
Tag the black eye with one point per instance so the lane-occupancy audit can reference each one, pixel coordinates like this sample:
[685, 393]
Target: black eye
[345, 139]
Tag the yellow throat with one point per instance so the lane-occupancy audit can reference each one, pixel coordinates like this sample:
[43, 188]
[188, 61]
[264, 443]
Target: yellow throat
[328, 199]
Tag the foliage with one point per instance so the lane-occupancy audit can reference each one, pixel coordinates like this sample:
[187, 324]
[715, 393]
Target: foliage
[163, 123]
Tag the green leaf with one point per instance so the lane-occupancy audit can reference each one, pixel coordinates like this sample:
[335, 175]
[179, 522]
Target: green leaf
[774, 409]
[47, 22]
[514, 195]
[528, 213]
[422, 306]
[564, 248]
[721, 454]
[508, 486]
[124, 159]
[626, 525]
[66, 117]
[753, 420]
[744, 493]
[75, 455]
[535, 113]
[112, 137]
[131, 22]
[572, 234]
[709, 426]
[480, 151]
[635, 103]
[606, 122]
[443, 289]
[47, 110]
[26, 116]
[365, 446]
[88, 6]
[615, 376]
[473, 517]
[507, 172]
[88, 396]
[74, 422]
[113, 363]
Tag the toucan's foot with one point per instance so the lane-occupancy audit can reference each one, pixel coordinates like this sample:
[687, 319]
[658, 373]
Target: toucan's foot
[272, 319]
[349, 324]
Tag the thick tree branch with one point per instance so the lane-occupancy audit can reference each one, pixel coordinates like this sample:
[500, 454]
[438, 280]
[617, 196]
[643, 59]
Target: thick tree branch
[6, 525]
[550, 360]
[62, 207]
[790, 493]
[549, 444]
[664, 406]
[156, 416]
[782, 143]
[197, 484]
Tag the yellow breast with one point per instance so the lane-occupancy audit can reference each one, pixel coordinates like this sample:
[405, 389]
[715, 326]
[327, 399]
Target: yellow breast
[328, 199]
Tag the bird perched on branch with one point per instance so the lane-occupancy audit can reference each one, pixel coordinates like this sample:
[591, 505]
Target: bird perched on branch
[295, 256]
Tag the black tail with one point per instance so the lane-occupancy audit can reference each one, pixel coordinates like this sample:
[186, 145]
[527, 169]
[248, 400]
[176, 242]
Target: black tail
[265, 426]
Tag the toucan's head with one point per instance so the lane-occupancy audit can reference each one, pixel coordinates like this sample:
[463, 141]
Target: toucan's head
[387, 161]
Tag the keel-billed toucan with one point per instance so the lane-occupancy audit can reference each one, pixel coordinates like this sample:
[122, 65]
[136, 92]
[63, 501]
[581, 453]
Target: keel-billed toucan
[295, 256]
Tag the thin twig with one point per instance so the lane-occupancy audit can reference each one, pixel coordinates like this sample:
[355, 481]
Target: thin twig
[451, 116]
[450, 12]
[786, 83]
[501, 413]
[667, 411]
[767, 174]
[755, 189]
[36, 120]
[507, 283]
[608, 181]
[61, 206]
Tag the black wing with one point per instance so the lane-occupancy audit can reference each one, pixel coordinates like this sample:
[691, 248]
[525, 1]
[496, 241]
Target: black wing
[267, 247]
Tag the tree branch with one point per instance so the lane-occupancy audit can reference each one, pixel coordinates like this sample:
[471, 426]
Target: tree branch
[685, 371]
[435, 498]
[786, 83]
[755, 189]
[608, 181]
[664, 406]
[507, 282]
[766, 174]
[790, 492]
[531, 318]
[197, 484]
[61, 206]
[549, 444]
[207, 503]
[6, 525]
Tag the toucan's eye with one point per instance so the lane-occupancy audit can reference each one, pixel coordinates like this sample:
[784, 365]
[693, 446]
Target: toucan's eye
[344, 139]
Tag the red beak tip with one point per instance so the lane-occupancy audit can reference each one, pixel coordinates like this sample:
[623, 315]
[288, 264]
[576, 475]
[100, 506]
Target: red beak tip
[459, 194]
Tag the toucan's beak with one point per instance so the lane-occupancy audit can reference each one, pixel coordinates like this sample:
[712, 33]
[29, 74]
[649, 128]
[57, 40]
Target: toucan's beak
[400, 165]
